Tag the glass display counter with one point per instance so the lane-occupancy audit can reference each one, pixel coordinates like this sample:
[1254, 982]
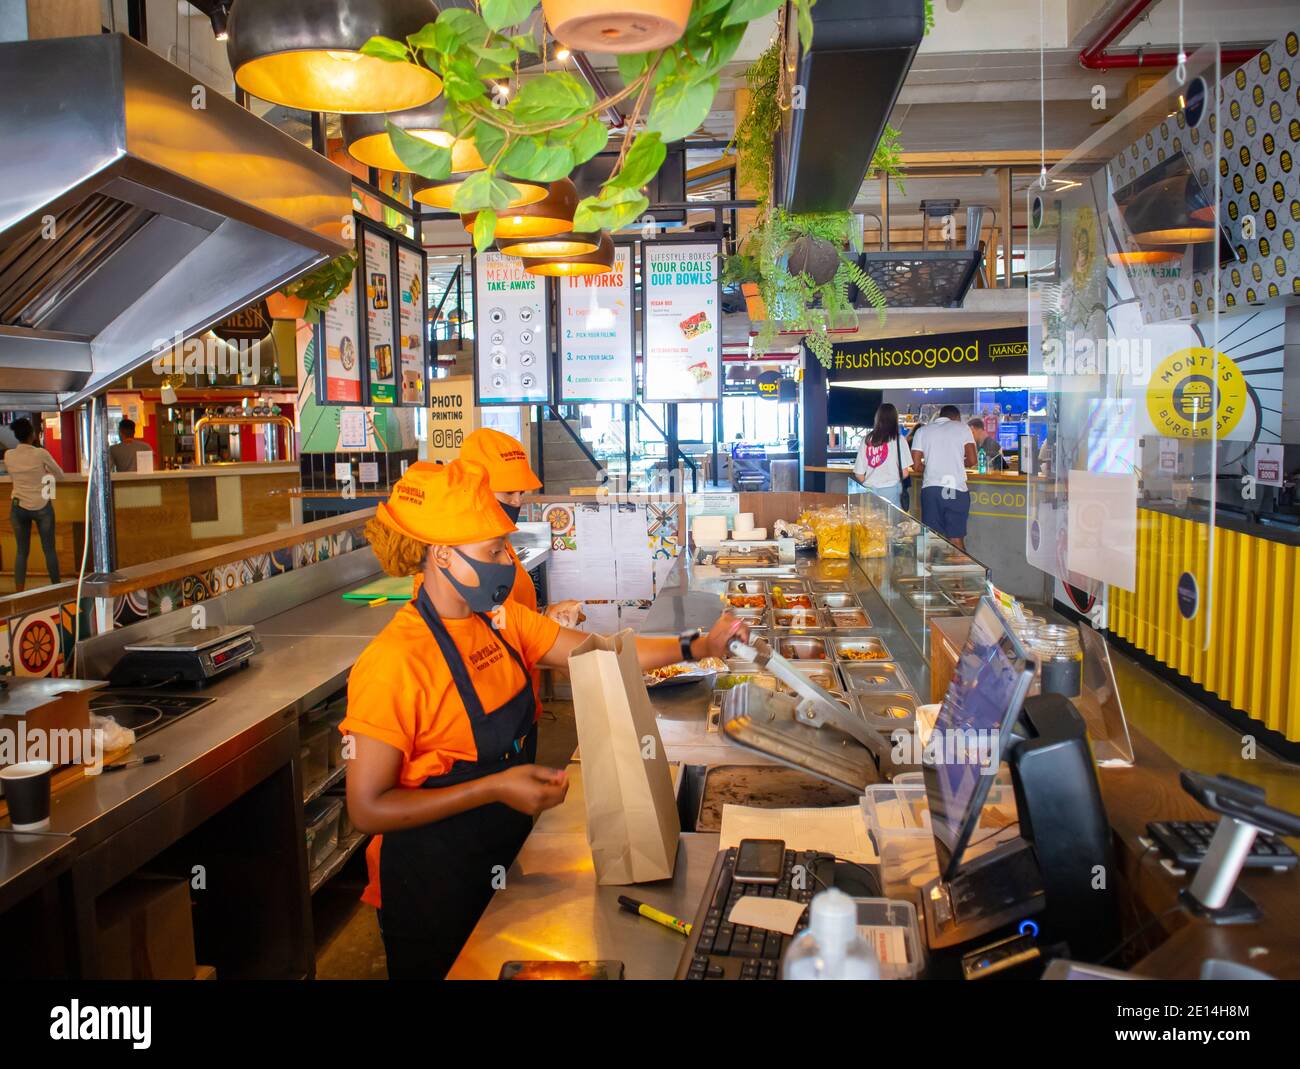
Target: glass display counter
[918, 573]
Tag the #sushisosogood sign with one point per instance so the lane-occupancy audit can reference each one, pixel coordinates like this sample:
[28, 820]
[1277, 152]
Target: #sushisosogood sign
[598, 335]
[511, 341]
[682, 320]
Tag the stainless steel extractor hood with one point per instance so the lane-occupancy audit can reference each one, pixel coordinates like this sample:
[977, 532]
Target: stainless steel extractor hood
[136, 205]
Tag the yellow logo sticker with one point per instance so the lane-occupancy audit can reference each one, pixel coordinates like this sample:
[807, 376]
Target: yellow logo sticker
[1183, 401]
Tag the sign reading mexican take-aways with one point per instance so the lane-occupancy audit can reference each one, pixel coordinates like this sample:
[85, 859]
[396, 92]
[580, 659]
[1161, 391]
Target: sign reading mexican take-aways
[682, 320]
[981, 352]
[511, 340]
[598, 334]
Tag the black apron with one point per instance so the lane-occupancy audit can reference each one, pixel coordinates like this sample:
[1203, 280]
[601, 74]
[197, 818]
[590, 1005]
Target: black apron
[436, 880]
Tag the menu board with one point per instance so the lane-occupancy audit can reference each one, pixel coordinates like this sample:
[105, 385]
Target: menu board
[340, 341]
[377, 265]
[410, 323]
[511, 340]
[598, 334]
[682, 320]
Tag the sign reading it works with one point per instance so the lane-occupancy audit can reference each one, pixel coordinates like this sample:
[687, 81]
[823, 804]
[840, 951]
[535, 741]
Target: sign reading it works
[983, 352]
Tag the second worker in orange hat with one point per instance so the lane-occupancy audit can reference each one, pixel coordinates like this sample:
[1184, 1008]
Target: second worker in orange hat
[442, 734]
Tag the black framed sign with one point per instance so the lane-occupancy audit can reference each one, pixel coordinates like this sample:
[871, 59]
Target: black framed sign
[340, 369]
[414, 357]
[681, 320]
[1003, 351]
[597, 334]
[512, 337]
[379, 319]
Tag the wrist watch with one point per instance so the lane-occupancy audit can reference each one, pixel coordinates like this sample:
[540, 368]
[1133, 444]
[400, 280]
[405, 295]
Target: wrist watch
[686, 638]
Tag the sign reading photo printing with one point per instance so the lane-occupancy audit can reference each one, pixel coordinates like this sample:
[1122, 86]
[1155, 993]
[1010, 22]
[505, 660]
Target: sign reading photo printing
[451, 417]
[983, 352]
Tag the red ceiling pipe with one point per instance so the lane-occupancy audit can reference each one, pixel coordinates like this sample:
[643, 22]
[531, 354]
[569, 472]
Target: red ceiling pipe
[1094, 57]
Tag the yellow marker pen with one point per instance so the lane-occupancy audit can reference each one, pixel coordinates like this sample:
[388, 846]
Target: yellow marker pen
[377, 601]
[656, 915]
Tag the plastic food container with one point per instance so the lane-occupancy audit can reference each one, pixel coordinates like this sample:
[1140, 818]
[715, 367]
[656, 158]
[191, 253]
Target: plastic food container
[892, 930]
[321, 819]
[316, 743]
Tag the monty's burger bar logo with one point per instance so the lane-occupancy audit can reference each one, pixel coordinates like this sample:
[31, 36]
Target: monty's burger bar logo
[1000, 352]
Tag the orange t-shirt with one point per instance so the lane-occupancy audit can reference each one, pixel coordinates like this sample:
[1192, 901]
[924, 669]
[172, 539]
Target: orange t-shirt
[401, 691]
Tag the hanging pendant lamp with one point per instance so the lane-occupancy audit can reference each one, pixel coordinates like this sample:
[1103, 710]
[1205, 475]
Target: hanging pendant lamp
[551, 215]
[567, 244]
[1170, 212]
[617, 25]
[587, 263]
[367, 140]
[439, 194]
[306, 54]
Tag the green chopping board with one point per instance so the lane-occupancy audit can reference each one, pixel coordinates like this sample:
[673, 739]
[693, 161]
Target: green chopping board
[390, 587]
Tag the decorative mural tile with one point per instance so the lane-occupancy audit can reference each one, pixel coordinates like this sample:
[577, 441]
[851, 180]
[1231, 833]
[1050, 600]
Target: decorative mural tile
[304, 554]
[282, 560]
[37, 650]
[196, 588]
[324, 548]
[165, 598]
[6, 661]
[342, 543]
[131, 608]
[226, 577]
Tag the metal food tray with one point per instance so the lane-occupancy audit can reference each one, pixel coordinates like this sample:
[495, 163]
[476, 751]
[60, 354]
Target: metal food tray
[838, 600]
[746, 586]
[825, 677]
[787, 596]
[766, 602]
[829, 586]
[876, 677]
[801, 648]
[798, 619]
[881, 710]
[845, 619]
[932, 602]
[766, 723]
[867, 643]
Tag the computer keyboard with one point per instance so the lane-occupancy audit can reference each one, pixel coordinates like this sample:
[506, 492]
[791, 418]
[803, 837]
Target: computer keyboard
[1187, 842]
[719, 950]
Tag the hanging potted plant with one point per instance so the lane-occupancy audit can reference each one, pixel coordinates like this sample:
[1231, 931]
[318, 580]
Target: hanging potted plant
[307, 297]
[281, 306]
[798, 272]
[540, 130]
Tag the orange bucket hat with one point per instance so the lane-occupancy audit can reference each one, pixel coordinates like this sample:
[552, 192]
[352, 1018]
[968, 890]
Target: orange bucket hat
[504, 459]
[445, 505]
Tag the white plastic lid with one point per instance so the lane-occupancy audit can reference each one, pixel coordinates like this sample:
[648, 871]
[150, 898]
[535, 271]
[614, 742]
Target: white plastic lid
[833, 918]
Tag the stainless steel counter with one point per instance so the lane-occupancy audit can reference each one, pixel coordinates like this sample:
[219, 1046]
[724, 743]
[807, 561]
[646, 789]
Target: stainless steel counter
[551, 906]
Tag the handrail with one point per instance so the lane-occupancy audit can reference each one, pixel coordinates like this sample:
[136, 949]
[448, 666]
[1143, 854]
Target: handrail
[695, 472]
[595, 463]
[143, 576]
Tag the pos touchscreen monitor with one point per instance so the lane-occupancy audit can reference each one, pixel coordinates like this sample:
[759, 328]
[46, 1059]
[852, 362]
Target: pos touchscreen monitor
[964, 750]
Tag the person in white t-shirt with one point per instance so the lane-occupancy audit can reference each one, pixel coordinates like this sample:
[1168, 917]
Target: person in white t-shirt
[32, 470]
[884, 458]
[942, 451]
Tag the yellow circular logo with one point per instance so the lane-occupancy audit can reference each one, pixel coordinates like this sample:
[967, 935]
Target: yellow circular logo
[1188, 397]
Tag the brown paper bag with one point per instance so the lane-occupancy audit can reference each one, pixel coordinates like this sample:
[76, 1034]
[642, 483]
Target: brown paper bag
[632, 822]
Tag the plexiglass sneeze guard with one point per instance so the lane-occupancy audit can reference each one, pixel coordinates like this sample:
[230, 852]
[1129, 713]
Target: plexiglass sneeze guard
[919, 574]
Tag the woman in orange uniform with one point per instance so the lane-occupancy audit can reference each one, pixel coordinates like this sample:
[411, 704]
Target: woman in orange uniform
[444, 732]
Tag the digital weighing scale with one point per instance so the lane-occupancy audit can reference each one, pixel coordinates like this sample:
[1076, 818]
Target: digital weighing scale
[192, 656]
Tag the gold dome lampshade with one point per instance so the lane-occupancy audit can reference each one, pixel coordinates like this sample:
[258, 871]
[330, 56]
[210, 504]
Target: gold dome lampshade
[551, 215]
[367, 140]
[567, 244]
[597, 262]
[617, 25]
[439, 193]
[1170, 212]
[307, 54]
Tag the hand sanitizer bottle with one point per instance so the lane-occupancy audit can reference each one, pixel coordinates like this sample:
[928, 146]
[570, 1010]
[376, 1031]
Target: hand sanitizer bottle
[830, 948]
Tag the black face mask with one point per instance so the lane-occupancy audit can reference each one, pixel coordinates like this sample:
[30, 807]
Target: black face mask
[494, 583]
[511, 511]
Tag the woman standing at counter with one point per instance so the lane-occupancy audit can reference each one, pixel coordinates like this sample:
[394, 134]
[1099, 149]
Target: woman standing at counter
[444, 731]
[884, 458]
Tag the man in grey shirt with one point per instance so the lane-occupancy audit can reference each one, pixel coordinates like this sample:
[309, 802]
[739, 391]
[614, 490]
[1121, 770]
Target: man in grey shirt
[124, 453]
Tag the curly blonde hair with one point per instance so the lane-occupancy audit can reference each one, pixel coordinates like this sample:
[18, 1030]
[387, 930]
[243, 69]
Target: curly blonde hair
[398, 554]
